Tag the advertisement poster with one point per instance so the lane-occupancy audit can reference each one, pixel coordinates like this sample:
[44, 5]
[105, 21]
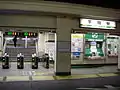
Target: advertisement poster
[77, 44]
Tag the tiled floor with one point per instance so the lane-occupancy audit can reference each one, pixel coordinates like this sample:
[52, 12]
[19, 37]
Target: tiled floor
[28, 71]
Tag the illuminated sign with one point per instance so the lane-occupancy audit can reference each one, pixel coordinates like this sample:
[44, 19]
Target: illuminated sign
[22, 34]
[25, 33]
[9, 33]
[94, 36]
[90, 23]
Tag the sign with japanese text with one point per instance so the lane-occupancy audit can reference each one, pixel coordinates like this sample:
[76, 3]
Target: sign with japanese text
[102, 24]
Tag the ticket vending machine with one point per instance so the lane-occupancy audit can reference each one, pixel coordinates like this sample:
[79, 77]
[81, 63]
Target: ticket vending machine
[5, 61]
[94, 46]
[20, 61]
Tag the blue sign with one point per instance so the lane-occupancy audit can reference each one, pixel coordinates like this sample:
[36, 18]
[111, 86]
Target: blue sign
[79, 49]
[76, 53]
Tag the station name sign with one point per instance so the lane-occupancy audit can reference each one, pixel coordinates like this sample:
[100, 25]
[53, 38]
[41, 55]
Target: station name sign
[102, 24]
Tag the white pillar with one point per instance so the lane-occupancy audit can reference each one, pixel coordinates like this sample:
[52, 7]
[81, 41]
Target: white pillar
[63, 47]
[46, 36]
[119, 54]
[25, 41]
[41, 43]
[49, 36]
[118, 28]
[1, 42]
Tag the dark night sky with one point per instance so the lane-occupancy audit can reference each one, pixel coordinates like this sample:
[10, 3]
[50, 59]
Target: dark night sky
[102, 3]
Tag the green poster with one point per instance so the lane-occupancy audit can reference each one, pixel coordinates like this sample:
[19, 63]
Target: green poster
[94, 36]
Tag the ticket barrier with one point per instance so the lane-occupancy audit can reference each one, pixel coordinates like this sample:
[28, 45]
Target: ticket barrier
[20, 61]
[46, 61]
[35, 61]
[5, 61]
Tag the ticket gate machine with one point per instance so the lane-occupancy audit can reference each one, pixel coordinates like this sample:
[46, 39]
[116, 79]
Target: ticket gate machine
[5, 61]
[20, 61]
[34, 61]
[46, 61]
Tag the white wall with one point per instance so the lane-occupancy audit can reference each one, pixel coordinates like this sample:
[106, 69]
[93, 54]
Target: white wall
[42, 38]
[49, 36]
[41, 43]
[1, 42]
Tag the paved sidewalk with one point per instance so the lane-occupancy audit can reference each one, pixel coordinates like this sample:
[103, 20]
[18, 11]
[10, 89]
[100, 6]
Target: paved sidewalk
[95, 70]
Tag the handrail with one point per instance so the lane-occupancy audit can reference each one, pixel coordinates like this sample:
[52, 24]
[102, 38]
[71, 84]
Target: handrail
[36, 47]
[4, 46]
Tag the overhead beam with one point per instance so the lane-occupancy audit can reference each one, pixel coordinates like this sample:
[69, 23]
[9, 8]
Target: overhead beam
[61, 8]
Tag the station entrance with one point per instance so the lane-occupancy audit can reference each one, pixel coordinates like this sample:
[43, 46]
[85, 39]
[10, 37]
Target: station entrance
[28, 52]
[25, 44]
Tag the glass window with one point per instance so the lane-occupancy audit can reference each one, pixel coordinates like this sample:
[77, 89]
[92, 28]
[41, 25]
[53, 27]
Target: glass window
[112, 45]
[94, 48]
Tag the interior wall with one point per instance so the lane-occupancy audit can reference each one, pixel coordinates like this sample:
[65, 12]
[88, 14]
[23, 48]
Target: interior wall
[75, 22]
[118, 26]
[28, 21]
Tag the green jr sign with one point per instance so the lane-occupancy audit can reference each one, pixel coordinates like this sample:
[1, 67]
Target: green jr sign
[94, 36]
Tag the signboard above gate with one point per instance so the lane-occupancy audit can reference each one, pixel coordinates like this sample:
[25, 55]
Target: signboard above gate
[102, 24]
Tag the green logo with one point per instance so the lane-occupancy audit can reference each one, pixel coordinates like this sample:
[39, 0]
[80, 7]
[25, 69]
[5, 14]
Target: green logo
[94, 35]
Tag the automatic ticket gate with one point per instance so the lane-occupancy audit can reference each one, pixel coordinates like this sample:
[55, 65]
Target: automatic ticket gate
[20, 61]
[5, 61]
[34, 61]
[46, 61]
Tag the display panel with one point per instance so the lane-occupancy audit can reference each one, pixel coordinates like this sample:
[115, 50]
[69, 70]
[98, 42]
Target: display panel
[21, 34]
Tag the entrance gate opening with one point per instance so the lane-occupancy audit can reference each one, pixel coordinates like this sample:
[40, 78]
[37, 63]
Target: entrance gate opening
[25, 44]
[29, 45]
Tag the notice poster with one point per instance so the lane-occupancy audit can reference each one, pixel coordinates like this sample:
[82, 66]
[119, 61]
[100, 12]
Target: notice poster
[50, 49]
[77, 44]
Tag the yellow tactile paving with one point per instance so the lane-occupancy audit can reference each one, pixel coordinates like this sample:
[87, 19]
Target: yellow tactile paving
[17, 78]
[1, 78]
[76, 76]
[42, 73]
[39, 73]
[42, 78]
[107, 74]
